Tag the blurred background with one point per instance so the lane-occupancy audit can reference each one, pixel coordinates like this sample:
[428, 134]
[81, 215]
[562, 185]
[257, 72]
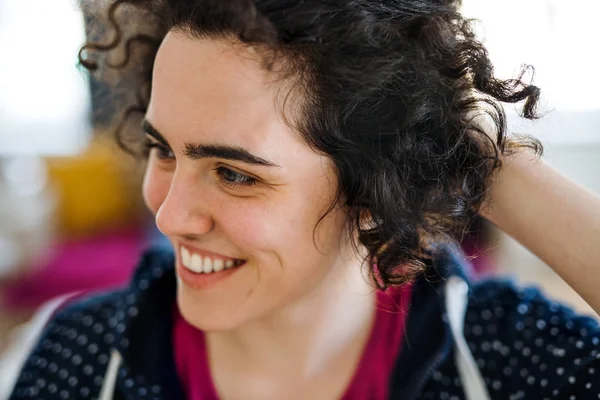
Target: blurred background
[71, 215]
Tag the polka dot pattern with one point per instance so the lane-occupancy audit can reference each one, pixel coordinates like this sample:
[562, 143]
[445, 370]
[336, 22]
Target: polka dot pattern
[72, 356]
[526, 347]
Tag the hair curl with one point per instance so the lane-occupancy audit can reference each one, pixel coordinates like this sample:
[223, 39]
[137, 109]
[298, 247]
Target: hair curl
[391, 93]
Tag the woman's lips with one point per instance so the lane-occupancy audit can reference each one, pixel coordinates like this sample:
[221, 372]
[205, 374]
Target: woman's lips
[200, 269]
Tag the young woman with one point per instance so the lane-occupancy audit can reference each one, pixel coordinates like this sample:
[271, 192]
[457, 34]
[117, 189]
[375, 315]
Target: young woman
[311, 163]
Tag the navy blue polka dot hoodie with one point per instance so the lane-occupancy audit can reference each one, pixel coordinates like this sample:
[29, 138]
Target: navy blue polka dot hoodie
[475, 341]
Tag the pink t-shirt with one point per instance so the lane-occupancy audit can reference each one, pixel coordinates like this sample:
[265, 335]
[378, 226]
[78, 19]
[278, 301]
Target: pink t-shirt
[371, 378]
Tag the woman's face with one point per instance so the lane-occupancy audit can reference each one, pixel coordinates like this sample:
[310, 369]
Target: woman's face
[231, 184]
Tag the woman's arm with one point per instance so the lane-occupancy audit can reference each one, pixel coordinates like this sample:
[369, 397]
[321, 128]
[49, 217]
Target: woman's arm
[556, 219]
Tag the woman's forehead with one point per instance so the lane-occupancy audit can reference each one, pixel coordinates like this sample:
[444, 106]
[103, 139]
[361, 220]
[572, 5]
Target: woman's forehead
[208, 75]
[211, 90]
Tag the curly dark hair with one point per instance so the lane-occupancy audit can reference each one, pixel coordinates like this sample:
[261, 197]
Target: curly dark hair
[392, 92]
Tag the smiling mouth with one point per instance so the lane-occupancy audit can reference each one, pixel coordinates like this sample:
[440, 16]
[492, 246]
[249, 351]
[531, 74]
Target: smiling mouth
[206, 264]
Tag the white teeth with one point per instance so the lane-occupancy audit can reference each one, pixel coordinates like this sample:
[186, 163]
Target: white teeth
[196, 264]
[185, 257]
[218, 265]
[206, 265]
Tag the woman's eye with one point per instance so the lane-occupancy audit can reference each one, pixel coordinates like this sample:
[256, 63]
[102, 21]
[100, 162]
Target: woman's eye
[231, 178]
[161, 151]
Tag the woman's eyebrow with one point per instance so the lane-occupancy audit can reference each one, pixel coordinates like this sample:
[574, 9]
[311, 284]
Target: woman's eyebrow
[199, 151]
[150, 130]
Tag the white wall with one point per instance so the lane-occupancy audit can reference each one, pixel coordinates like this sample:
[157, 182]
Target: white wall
[44, 99]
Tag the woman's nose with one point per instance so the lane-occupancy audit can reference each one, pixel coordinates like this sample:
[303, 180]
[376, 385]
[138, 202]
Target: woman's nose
[184, 211]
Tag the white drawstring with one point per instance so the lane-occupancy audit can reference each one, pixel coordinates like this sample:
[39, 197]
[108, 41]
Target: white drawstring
[457, 292]
[22, 342]
[110, 378]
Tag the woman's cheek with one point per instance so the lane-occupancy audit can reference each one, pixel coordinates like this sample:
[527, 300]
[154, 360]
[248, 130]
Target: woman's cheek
[253, 225]
[155, 187]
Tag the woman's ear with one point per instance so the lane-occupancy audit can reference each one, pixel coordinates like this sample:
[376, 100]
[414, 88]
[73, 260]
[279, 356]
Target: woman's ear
[366, 219]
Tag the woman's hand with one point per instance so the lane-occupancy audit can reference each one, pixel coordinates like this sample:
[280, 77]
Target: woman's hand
[555, 218]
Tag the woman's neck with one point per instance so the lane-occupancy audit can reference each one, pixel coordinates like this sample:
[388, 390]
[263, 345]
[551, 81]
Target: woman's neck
[327, 326]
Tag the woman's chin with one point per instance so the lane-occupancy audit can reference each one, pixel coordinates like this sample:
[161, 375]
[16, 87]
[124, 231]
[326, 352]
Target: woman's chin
[209, 317]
